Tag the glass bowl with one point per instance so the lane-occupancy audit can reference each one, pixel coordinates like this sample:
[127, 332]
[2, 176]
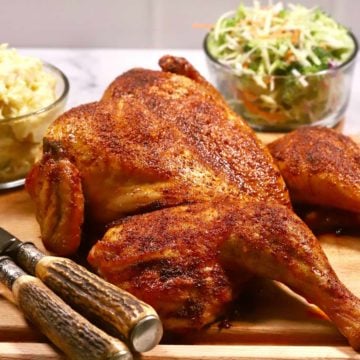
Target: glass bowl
[21, 137]
[284, 103]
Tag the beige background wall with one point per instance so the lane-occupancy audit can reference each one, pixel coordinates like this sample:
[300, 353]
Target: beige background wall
[127, 24]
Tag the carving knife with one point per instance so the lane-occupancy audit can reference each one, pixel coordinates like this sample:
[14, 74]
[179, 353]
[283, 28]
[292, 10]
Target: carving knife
[68, 330]
[114, 310]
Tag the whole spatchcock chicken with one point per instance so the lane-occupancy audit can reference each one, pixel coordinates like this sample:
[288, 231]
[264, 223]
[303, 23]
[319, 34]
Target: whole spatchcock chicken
[196, 203]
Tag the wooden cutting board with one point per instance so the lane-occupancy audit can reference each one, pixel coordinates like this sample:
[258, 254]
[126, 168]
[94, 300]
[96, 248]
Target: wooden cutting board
[269, 323]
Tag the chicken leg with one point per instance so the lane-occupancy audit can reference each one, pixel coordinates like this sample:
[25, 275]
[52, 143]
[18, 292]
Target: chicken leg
[190, 261]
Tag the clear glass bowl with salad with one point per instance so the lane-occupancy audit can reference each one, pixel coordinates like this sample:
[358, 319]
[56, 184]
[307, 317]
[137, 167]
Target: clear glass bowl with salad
[32, 95]
[282, 67]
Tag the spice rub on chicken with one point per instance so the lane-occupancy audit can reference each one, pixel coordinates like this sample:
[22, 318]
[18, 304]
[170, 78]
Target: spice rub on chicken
[211, 206]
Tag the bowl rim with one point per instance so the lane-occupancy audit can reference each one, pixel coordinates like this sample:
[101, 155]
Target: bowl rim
[345, 64]
[61, 97]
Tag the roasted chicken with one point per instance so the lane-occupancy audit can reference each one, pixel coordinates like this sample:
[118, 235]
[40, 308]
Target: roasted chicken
[195, 202]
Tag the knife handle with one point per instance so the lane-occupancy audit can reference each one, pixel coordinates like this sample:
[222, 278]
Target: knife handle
[73, 334]
[114, 310]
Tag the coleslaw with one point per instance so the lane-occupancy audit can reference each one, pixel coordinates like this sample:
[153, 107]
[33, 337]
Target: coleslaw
[281, 57]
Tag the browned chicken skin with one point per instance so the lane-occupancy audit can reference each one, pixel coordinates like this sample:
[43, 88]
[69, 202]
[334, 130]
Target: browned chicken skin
[155, 140]
[189, 261]
[320, 167]
[162, 140]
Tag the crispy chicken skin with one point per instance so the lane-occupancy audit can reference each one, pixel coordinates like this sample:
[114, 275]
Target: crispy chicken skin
[320, 167]
[188, 261]
[55, 186]
[155, 140]
[167, 140]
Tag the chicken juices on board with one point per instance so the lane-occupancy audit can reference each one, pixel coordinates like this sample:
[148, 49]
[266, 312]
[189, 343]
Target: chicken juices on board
[167, 140]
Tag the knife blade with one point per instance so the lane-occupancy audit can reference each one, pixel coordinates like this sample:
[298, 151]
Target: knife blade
[112, 309]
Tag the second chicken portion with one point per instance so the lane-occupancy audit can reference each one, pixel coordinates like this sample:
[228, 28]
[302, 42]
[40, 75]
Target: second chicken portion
[320, 166]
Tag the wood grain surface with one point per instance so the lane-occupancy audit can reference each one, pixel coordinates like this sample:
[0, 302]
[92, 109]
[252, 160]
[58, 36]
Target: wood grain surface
[269, 323]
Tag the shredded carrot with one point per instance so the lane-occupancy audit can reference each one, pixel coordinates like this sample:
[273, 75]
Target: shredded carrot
[202, 26]
[248, 101]
[295, 37]
[289, 56]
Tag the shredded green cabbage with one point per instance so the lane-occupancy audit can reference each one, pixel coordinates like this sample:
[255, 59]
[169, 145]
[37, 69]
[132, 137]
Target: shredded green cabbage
[275, 40]
[275, 52]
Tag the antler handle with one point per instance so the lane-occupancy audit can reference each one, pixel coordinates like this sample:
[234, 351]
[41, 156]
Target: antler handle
[73, 334]
[113, 309]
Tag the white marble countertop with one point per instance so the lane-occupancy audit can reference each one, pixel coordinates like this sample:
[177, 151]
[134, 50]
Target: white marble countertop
[91, 70]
